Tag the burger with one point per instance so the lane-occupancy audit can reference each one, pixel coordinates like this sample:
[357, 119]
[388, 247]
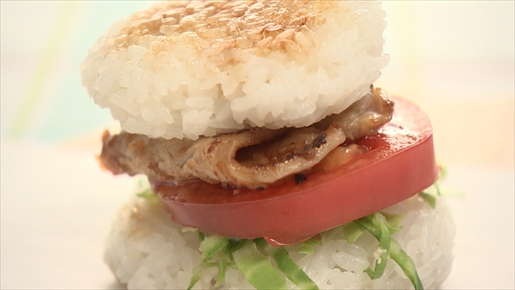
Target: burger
[271, 160]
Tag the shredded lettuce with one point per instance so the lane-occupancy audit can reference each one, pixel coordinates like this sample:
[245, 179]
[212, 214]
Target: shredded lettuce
[352, 232]
[406, 263]
[253, 257]
[309, 246]
[431, 193]
[148, 194]
[222, 265]
[256, 268]
[197, 273]
[429, 198]
[143, 189]
[379, 227]
[287, 266]
[212, 244]
[393, 221]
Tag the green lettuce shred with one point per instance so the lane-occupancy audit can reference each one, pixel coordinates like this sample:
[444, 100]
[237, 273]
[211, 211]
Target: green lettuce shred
[429, 198]
[256, 268]
[211, 245]
[148, 194]
[222, 266]
[352, 232]
[379, 227]
[393, 221]
[253, 257]
[308, 247]
[143, 190]
[287, 266]
[197, 272]
[431, 193]
[406, 263]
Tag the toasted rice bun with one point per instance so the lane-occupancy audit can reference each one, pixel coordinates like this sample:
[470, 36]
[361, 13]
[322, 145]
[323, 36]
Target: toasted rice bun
[187, 69]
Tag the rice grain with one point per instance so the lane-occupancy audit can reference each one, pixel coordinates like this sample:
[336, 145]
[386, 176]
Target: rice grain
[270, 64]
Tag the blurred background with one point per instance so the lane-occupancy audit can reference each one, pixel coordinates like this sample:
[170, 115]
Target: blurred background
[453, 58]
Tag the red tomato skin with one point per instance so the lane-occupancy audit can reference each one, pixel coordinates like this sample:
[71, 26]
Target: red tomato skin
[399, 164]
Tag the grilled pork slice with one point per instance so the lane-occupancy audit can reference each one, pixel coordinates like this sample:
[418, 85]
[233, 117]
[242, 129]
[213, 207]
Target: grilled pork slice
[253, 158]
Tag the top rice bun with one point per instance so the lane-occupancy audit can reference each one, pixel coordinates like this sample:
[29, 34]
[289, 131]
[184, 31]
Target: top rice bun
[187, 69]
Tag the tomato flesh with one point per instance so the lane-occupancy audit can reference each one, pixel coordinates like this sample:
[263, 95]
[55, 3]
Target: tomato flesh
[400, 163]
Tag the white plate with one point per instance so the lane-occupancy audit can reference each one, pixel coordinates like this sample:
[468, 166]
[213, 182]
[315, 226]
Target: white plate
[57, 206]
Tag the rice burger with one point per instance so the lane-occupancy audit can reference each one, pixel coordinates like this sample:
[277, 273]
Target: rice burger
[272, 161]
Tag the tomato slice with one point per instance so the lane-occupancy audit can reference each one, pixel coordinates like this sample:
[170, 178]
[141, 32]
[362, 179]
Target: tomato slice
[400, 163]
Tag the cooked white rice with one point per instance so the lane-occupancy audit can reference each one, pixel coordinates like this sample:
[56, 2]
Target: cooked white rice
[173, 71]
[146, 250]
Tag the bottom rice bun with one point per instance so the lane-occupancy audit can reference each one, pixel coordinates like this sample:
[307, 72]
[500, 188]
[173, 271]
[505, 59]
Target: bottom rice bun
[272, 160]
[145, 249]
